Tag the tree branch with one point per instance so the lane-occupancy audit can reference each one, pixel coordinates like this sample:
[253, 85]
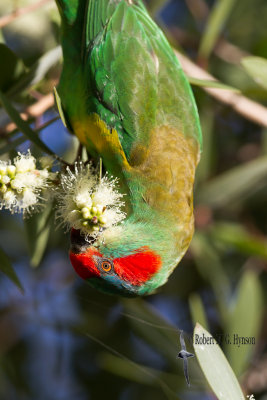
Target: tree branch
[35, 110]
[248, 108]
[7, 19]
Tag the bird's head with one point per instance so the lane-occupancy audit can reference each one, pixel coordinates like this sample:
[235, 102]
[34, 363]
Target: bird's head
[125, 273]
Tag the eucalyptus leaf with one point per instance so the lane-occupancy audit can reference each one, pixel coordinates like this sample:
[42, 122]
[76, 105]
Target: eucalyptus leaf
[12, 145]
[23, 125]
[256, 67]
[216, 368]
[234, 185]
[211, 84]
[59, 106]
[156, 330]
[38, 228]
[238, 237]
[11, 68]
[245, 321]
[197, 310]
[7, 269]
[210, 267]
[37, 71]
[142, 374]
[215, 24]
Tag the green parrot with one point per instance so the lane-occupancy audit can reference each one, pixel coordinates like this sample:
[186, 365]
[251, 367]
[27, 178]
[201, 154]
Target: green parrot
[124, 95]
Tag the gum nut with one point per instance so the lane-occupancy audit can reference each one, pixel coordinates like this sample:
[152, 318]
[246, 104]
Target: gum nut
[85, 223]
[85, 210]
[96, 228]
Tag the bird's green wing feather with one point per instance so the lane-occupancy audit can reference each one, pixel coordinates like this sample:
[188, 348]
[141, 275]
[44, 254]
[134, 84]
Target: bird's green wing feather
[130, 76]
[137, 82]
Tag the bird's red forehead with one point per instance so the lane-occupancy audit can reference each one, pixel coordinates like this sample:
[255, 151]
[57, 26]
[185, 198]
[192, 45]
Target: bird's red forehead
[136, 268]
[84, 264]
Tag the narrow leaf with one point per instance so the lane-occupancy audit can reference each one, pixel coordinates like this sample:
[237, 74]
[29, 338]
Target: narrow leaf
[60, 110]
[37, 71]
[238, 237]
[23, 125]
[38, 229]
[7, 269]
[12, 145]
[215, 367]
[217, 19]
[11, 68]
[234, 185]
[197, 310]
[245, 321]
[211, 84]
[256, 67]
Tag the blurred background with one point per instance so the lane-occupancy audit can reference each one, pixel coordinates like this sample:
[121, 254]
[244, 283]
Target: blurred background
[60, 339]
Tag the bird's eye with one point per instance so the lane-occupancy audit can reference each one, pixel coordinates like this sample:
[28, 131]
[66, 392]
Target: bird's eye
[106, 265]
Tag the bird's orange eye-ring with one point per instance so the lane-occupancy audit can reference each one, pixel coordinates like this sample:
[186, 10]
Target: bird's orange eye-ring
[106, 265]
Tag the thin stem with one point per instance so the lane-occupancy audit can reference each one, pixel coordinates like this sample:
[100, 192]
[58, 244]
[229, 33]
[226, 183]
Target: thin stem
[7, 19]
[250, 109]
[100, 170]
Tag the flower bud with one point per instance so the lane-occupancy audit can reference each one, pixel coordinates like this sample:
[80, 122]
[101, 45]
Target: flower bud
[3, 189]
[5, 179]
[3, 169]
[11, 170]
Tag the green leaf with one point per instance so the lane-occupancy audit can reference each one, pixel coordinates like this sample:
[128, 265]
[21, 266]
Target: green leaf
[22, 125]
[38, 229]
[12, 145]
[234, 185]
[153, 328]
[245, 321]
[11, 68]
[132, 371]
[217, 19]
[238, 237]
[216, 368]
[209, 266]
[7, 269]
[211, 84]
[197, 310]
[256, 67]
[37, 71]
[59, 106]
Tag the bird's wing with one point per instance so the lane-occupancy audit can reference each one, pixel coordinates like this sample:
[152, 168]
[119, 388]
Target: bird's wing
[134, 81]
[182, 340]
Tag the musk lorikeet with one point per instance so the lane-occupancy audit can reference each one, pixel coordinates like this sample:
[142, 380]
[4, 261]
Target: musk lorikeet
[125, 96]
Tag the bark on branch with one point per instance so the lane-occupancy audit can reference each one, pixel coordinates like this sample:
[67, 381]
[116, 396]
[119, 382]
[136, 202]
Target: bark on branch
[248, 108]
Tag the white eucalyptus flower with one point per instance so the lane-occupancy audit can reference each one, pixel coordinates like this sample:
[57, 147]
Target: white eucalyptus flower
[87, 204]
[25, 162]
[21, 184]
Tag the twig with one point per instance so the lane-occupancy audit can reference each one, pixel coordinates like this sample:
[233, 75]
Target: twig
[35, 110]
[7, 19]
[241, 104]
